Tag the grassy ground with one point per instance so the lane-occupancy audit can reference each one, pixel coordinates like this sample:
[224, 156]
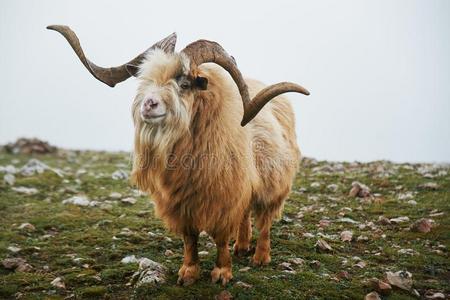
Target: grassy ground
[84, 246]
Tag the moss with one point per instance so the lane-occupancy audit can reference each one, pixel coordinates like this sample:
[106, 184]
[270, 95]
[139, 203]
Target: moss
[84, 245]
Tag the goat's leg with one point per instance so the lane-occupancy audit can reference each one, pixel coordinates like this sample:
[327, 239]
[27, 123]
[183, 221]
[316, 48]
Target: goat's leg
[222, 269]
[262, 250]
[190, 270]
[244, 236]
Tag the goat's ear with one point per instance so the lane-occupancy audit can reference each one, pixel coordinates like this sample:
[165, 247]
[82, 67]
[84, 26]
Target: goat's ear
[201, 83]
[132, 69]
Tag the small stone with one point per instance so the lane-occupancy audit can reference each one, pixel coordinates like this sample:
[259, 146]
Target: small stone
[129, 200]
[297, 261]
[400, 279]
[315, 264]
[203, 253]
[346, 236]
[332, 187]
[25, 190]
[383, 220]
[359, 190]
[362, 238]
[77, 200]
[381, 286]
[321, 245]
[27, 227]
[347, 220]
[24, 268]
[286, 266]
[168, 253]
[58, 282]
[429, 186]
[372, 296]
[399, 220]
[324, 223]
[129, 259]
[361, 264]
[9, 179]
[13, 263]
[412, 202]
[106, 206]
[119, 175]
[343, 275]
[244, 269]
[14, 249]
[422, 225]
[115, 195]
[315, 185]
[434, 295]
[243, 285]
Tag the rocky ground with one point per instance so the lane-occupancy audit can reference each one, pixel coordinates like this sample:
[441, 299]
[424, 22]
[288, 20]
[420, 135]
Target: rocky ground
[71, 226]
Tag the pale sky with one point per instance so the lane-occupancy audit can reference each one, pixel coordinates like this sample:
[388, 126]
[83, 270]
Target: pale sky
[378, 71]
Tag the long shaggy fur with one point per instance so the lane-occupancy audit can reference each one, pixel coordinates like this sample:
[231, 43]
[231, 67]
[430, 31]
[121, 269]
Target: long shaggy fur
[202, 169]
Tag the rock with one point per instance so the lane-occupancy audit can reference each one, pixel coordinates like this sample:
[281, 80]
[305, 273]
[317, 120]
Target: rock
[130, 259]
[321, 245]
[168, 253]
[399, 220]
[324, 223]
[115, 195]
[119, 175]
[244, 269]
[129, 200]
[315, 264]
[9, 179]
[381, 286]
[286, 266]
[224, 295]
[383, 220]
[346, 236]
[77, 200]
[434, 295]
[362, 238]
[422, 225]
[203, 253]
[12, 263]
[400, 279]
[58, 283]
[25, 190]
[243, 285]
[18, 264]
[9, 169]
[372, 296]
[361, 264]
[429, 186]
[347, 220]
[343, 275]
[14, 249]
[35, 167]
[149, 272]
[359, 190]
[412, 202]
[333, 187]
[29, 146]
[315, 185]
[296, 261]
[27, 226]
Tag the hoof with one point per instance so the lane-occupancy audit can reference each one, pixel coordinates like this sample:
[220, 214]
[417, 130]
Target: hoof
[261, 257]
[223, 274]
[187, 275]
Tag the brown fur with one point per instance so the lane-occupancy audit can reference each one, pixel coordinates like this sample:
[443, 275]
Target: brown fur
[218, 172]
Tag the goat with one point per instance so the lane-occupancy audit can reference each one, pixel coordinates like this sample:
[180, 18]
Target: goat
[205, 167]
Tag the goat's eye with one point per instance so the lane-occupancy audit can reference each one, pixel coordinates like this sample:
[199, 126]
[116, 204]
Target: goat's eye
[185, 84]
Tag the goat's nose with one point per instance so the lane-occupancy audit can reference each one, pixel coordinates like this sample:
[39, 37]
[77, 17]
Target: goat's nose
[149, 105]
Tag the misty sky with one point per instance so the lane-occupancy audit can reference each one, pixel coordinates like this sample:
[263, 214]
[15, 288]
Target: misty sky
[378, 71]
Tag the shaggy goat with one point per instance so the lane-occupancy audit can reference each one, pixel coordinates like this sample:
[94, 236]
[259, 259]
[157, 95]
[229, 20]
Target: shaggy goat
[204, 170]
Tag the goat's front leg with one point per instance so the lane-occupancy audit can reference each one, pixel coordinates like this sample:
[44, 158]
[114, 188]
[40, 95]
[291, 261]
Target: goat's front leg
[190, 270]
[222, 269]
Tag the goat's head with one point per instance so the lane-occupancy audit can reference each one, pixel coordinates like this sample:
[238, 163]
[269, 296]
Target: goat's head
[170, 80]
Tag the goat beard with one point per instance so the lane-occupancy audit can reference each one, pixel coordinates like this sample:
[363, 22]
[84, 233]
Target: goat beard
[153, 146]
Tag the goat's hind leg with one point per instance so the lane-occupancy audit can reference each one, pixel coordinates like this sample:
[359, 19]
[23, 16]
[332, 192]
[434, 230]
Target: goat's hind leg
[244, 236]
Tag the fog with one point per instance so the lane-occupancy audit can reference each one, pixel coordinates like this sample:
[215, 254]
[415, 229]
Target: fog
[378, 71]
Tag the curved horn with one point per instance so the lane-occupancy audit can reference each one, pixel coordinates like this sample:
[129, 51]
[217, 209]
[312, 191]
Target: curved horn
[267, 94]
[111, 76]
[203, 51]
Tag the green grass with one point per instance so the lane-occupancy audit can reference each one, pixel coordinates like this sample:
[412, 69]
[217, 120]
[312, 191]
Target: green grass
[84, 245]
